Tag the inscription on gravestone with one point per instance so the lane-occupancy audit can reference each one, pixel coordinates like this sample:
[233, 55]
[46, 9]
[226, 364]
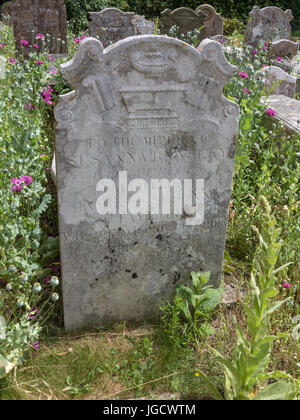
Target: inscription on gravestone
[40, 16]
[111, 25]
[145, 112]
[268, 24]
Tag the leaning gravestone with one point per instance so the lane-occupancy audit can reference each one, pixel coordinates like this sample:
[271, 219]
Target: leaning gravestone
[147, 112]
[283, 48]
[47, 17]
[213, 23]
[268, 24]
[278, 82]
[111, 25]
[287, 111]
[184, 19]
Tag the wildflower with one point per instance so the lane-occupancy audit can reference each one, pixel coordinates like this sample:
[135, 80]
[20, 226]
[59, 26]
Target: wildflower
[54, 281]
[37, 287]
[271, 112]
[12, 269]
[264, 48]
[42, 155]
[76, 40]
[17, 185]
[46, 95]
[24, 42]
[47, 279]
[39, 62]
[279, 58]
[33, 313]
[220, 40]
[54, 72]
[51, 58]
[264, 66]
[245, 91]
[27, 179]
[197, 374]
[55, 297]
[253, 52]
[266, 43]
[36, 46]
[20, 303]
[286, 285]
[29, 106]
[36, 345]
[243, 75]
[2, 45]
[40, 36]
[12, 60]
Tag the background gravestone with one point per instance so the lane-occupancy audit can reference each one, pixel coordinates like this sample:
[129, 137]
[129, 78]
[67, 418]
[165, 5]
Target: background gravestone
[5, 11]
[185, 19]
[111, 25]
[40, 16]
[278, 82]
[152, 106]
[268, 24]
[283, 48]
[214, 24]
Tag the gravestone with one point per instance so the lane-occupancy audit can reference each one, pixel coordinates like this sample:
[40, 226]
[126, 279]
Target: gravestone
[287, 111]
[185, 19]
[111, 25]
[147, 111]
[213, 23]
[5, 11]
[283, 48]
[47, 17]
[268, 24]
[279, 82]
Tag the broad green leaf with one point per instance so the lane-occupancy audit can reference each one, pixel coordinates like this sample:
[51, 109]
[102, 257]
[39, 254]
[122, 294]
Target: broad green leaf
[5, 366]
[278, 391]
[211, 386]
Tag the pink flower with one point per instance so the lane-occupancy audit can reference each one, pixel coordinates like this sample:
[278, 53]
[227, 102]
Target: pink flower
[83, 37]
[36, 46]
[29, 106]
[51, 58]
[264, 48]
[286, 285]
[76, 40]
[39, 62]
[17, 185]
[12, 60]
[264, 65]
[24, 42]
[220, 40]
[46, 95]
[253, 52]
[243, 75]
[279, 58]
[42, 155]
[40, 36]
[266, 43]
[27, 179]
[246, 91]
[2, 45]
[54, 72]
[271, 112]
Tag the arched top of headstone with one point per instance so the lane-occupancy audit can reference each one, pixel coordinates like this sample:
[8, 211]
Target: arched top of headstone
[5, 10]
[111, 25]
[214, 24]
[184, 18]
[268, 24]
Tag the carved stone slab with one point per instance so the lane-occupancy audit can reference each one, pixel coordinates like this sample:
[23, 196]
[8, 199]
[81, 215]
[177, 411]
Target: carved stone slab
[185, 19]
[287, 110]
[268, 24]
[5, 11]
[279, 82]
[111, 25]
[214, 24]
[40, 16]
[151, 107]
[284, 48]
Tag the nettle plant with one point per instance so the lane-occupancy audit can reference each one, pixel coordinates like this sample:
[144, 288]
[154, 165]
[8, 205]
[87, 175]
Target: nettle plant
[246, 371]
[27, 281]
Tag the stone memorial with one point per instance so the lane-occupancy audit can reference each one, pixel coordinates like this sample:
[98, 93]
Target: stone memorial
[184, 19]
[268, 24]
[283, 48]
[145, 149]
[213, 23]
[47, 17]
[287, 111]
[111, 25]
[279, 82]
[5, 11]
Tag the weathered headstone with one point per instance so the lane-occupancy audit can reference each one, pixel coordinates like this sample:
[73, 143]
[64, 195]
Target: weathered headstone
[287, 111]
[184, 19]
[213, 23]
[111, 25]
[268, 24]
[145, 112]
[283, 48]
[279, 82]
[5, 11]
[46, 17]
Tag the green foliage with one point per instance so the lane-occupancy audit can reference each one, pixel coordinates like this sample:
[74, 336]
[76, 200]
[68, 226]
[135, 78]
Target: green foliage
[246, 368]
[191, 311]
